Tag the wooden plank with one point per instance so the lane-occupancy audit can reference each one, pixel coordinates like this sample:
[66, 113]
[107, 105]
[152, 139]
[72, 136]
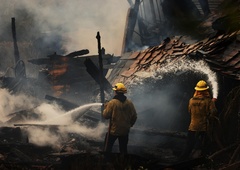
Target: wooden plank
[134, 64]
[145, 58]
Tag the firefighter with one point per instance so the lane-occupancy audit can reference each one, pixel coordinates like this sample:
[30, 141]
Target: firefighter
[122, 115]
[202, 109]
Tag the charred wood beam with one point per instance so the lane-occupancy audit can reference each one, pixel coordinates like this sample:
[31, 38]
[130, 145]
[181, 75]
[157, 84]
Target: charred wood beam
[78, 53]
[39, 125]
[100, 62]
[20, 71]
[70, 55]
[16, 52]
[93, 70]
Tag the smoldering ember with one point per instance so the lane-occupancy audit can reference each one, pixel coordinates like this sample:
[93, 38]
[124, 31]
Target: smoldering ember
[52, 97]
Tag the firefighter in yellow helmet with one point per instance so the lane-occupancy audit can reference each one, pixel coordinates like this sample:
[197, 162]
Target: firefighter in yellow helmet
[122, 115]
[201, 108]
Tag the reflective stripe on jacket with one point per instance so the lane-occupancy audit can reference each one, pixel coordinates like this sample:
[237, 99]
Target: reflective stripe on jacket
[123, 116]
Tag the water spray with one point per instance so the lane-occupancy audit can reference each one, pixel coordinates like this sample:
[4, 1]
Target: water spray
[72, 114]
[182, 65]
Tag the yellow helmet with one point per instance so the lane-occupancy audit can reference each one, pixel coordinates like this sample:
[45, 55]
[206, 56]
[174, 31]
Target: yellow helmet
[201, 86]
[119, 87]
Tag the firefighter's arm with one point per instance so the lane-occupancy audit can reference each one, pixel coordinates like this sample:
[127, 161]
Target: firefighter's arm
[107, 112]
[134, 115]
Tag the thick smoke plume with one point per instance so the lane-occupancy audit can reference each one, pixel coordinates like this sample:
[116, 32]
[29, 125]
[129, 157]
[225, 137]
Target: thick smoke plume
[75, 21]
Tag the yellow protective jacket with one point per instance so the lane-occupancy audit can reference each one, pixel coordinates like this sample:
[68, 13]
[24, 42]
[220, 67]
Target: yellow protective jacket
[122, 114]
[201, 108]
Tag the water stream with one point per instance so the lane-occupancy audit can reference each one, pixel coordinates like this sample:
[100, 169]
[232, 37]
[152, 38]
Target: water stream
[183, 65]
[69, 116]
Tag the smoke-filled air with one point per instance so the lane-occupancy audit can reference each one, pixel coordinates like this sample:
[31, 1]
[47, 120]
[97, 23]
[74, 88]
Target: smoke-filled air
[74, 22]
[162, 93]
[45, 116]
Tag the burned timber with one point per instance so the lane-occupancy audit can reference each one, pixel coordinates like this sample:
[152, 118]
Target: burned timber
[160, 63]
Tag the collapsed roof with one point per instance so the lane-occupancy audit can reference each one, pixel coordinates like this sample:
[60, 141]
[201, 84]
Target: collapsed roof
[220, 52]
[213, 39]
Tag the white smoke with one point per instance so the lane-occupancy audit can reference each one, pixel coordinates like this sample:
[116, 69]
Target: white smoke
[44, 136]
[13, 103]
[64, 124]
[70, 116]
[49, 111]
[51, 116]
[90, 133]
[78, 21]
